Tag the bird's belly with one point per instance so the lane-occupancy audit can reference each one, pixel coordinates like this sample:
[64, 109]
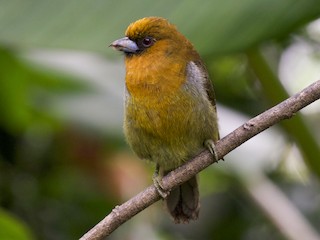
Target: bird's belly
[168, 135]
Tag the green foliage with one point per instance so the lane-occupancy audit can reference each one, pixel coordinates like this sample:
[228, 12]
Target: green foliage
[215, 27]
[12, 228]
[25, 93]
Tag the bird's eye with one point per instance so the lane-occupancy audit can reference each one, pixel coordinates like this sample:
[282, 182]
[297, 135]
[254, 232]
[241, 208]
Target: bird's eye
[147, 42]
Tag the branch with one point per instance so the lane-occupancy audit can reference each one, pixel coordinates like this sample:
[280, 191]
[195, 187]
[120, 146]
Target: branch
[144, 199]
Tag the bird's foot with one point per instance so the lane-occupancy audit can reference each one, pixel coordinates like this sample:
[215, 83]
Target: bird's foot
[157, 181]
[212, 148]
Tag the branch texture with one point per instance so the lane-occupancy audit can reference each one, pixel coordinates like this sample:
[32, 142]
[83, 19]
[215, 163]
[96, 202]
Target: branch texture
[254, 126]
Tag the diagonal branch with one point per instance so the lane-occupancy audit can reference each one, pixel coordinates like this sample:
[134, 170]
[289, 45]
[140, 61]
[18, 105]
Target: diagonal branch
[254, 126]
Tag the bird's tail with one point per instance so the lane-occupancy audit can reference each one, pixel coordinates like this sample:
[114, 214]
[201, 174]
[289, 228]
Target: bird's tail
[183, 202]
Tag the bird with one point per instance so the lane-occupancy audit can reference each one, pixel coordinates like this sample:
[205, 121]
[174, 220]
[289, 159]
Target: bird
[169, 104]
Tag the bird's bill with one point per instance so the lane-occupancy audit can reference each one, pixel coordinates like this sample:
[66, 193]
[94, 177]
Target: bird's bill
[125, 45]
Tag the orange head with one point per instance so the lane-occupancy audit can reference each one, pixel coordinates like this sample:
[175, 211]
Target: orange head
[154, 33]
[152, 47]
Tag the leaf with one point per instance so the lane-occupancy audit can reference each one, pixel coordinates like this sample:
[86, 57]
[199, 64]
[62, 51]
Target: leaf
[25, 93]
[12, 228]
[215, 27]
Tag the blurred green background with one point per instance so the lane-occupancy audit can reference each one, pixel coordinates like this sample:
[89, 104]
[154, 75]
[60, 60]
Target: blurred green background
[64, 163]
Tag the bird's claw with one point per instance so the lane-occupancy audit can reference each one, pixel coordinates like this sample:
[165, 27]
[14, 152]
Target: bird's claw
[158, 184]
[212, 148]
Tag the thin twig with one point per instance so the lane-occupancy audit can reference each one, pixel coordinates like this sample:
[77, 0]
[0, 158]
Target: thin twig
[144, 199]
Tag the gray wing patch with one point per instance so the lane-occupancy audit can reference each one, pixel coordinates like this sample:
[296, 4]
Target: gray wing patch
[198, 77]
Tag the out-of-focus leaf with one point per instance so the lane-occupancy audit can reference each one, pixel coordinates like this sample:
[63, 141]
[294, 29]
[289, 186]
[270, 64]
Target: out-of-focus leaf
[215, 27]
[12, 228]
[25, 92]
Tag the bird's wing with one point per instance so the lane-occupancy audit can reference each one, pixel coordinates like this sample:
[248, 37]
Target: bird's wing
[198, 74]
[207, 83]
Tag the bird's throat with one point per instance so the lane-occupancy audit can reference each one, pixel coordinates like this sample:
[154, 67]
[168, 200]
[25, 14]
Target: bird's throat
[153, 80]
